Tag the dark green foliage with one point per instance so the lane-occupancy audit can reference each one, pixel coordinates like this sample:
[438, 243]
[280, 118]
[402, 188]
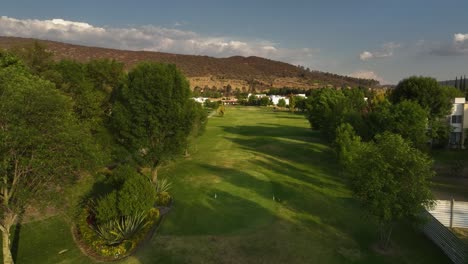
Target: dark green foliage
[321, 104]
[300, 103]
[107, 208]
[149, 114]
[196, 119]
[346, 143]
[426, 92]
[117, 230]
[328, 108]
[391, 179]
[264, 101]
[211, 104]
[136, 195]
[131, 193]
[406, 118]
[163, 199]
[281, 103]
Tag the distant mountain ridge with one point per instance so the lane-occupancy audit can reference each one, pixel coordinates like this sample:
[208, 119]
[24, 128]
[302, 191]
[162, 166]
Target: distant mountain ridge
[246, 73]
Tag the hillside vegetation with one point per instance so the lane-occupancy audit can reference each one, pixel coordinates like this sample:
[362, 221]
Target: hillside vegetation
[250, 73]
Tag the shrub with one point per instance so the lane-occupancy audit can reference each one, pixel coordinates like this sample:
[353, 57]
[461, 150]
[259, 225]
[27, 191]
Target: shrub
[163, 199]
[106, 208]
[163, 185]
[116, 231]
[137, 195]
[134, 194]
[103, 247]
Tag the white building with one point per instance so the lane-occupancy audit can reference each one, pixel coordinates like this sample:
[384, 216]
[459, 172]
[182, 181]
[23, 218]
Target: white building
[458, 119]
[200, 100]
[275, 99]
[258, 96]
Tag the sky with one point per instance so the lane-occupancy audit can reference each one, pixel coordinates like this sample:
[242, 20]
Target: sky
[383, 40]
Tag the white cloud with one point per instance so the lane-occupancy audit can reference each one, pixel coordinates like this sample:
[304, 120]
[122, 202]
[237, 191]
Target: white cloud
[385, 51]
[149, 38]
[460, 37]
[366, 74]
[458, 46]
[366, 55]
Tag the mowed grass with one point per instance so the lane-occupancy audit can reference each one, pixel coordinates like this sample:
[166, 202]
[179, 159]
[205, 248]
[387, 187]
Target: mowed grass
[259, 187]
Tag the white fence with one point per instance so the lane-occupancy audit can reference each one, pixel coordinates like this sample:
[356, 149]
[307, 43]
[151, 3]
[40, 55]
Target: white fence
[450, 244]
[451, 213]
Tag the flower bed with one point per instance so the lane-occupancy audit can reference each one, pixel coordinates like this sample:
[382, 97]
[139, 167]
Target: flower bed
[99, 250]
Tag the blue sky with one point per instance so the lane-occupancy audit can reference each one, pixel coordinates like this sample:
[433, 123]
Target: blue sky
[387, 40]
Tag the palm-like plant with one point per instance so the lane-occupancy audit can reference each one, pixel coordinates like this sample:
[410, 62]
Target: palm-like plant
[116, 231]
[163, 185]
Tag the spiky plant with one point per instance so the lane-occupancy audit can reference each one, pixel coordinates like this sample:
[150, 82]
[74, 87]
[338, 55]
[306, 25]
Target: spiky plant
[109, 232]
[116, 231]
[163, 185]
[128, 226]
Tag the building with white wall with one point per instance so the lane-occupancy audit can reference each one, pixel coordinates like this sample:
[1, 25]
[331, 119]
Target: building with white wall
[458, 120]
[275, 99]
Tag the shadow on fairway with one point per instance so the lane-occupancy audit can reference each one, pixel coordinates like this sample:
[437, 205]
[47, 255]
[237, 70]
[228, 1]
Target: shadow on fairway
[273, 130]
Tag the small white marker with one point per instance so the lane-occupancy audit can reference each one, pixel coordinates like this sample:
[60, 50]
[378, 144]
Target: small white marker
[215, 195]
[273, 197]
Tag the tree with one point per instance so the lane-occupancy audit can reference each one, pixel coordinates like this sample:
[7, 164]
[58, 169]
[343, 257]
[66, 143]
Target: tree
[292, 103]
[281, 103]
[321, 104]
[41, 143]
[149, 114]
[410, 121]
[264, 101]
[346, 143]
[36, 57]
[391, 179]
[407, 118]
[426, 92]
[195, 120]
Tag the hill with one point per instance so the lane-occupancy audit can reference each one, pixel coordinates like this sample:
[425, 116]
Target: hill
[246, 73]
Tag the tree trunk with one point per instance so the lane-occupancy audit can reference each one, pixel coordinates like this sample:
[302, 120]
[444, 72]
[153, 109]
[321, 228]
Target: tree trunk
[385, 235]
[7, 257]
[154, 174]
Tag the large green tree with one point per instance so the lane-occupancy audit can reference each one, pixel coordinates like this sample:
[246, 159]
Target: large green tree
[391, 179]
[406, 118]
[195, 121]
[426, 92]
[41, 143]
[149, 115]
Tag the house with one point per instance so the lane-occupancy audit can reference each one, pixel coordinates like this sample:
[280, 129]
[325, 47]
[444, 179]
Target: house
[275, 99]
[200, 100]
[458, 120]
[258, 96]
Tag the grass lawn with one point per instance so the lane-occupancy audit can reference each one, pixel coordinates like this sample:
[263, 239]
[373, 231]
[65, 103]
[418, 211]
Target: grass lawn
[259, 187]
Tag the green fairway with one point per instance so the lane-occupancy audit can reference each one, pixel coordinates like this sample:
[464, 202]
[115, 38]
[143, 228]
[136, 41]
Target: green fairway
[259, 187]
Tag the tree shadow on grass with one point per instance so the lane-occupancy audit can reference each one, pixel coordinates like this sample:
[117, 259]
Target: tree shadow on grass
[273, 130]
[215, 212]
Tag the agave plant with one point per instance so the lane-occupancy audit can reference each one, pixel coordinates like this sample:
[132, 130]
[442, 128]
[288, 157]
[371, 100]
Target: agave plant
[128, 226]
[163, 185]
[109, 233]
[116, 231]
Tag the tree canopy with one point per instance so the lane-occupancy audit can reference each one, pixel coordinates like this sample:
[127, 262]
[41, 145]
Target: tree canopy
[149, 114]
[391, 179]
[41, 142]
[427, 92]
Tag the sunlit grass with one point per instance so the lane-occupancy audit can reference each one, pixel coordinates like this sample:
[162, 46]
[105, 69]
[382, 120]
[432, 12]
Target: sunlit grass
[258, 187]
